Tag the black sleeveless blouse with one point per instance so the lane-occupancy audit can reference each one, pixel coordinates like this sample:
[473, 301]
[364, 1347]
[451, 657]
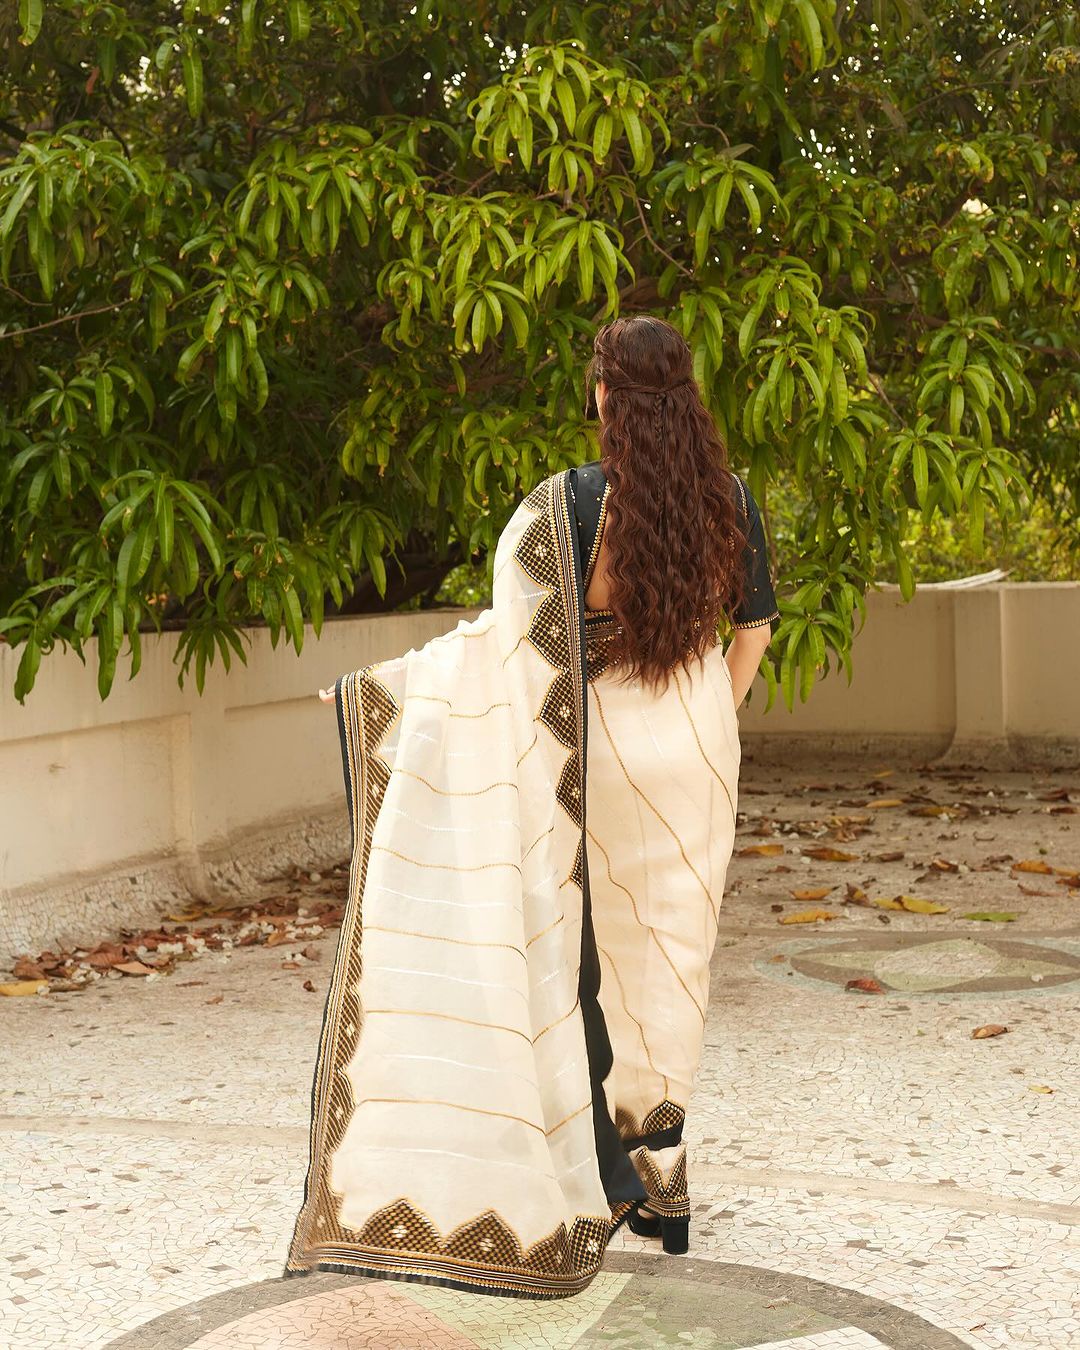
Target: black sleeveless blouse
[589, 487]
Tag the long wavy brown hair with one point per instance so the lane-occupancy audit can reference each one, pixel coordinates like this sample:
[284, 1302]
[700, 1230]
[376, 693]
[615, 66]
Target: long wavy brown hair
[673, 537]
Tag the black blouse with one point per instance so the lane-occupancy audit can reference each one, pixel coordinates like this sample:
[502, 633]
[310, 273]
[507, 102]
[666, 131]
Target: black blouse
[589, 487]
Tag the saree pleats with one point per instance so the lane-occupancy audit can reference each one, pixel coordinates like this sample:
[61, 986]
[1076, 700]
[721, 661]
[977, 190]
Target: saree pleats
[511, 1017]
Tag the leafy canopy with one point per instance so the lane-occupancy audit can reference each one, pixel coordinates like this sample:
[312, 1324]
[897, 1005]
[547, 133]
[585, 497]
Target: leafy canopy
[291, 291]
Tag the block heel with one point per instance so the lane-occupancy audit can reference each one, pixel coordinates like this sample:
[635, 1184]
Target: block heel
[673, 1233]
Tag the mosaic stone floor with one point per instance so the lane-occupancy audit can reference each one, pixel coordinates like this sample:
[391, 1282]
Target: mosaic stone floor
[864, 1172]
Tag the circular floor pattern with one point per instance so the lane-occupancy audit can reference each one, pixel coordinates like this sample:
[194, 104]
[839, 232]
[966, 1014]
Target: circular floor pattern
[637, 1301]
[923, 963]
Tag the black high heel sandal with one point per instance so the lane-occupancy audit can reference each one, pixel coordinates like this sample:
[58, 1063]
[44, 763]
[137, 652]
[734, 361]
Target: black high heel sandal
[673, 1233]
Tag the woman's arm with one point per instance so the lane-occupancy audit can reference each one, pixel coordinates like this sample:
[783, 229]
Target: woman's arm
[744, 657]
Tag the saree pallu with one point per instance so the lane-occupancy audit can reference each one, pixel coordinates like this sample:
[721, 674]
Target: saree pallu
[516, 1009]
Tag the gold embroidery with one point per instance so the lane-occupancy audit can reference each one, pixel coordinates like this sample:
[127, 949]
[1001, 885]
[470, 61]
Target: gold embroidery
[595, 550]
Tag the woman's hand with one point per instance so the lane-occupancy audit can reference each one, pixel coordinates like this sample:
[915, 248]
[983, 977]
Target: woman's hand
[327, 695]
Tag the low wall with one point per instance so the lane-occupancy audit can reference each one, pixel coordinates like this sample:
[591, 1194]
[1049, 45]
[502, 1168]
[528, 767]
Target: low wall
[110, 812]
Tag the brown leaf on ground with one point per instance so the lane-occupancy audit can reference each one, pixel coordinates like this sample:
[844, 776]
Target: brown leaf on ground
[1033, 865]
[1058, 794]
[217, 998]
[104, 955]
[944, 865]
[290, 965]
[22, 987]
[822, 853]
[277, 938]
[884, 801]
[309, 986]
[1061, 810]
[1072, 882]
[891, 855]
[808, 916]
[25, 969]
[1039, 1087]
[866, 984]
[814, 893]
[991, 1029]
[134, 968]
[311, 953]
[759, 850]
[855, 895]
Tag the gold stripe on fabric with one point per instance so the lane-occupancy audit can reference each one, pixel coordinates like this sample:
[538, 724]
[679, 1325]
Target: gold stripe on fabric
[524, 753]
[438, 937]
[697, 738]
[648, 928]
[567, 1119]
[603, 722]
[513, 651]
[446, 792]
[447, 867]
[626, 1010]
[455, 1106]
[557, 1022]
[436, 698]
[539, 840]
[446, 1017]
[543, 931]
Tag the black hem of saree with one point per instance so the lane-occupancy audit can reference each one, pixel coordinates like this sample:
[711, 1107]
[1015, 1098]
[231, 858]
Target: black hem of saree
[617, 1173]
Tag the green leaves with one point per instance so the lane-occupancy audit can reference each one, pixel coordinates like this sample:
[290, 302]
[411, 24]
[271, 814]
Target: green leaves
[300, 305]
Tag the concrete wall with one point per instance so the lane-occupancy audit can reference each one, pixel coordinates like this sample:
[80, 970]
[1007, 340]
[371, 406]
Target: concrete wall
[111, 811]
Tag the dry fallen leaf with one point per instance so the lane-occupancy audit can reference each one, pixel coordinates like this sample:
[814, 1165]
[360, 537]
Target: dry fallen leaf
[1031, 890]
[912, 904]
[134, 968]
[814, 893]
[309, 986]
[808, 916]
[825, 854]
[218, 998]
[866, 984]
[22, 987]
[892, 855]
[944, 865]
[760, 850]
[1039, 1087]
[992, 916]
[885, 801]
[1033, 865]
[991, 1029]
[311, 953]
[854, 895]
[290, 965]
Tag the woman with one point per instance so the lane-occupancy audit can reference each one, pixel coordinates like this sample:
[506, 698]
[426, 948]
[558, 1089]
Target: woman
[543, 809]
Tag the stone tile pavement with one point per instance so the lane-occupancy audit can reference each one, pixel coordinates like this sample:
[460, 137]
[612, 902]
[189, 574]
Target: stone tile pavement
[864, 1172]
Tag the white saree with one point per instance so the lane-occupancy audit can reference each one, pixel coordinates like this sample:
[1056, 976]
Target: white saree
[516, 1010]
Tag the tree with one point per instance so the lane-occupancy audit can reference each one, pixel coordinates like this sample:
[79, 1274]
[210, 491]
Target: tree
[292, 291]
